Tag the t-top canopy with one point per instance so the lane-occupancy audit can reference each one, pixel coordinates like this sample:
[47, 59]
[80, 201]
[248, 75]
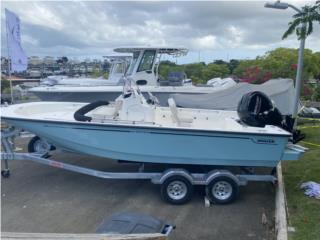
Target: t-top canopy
[161, 50]
[118, 58]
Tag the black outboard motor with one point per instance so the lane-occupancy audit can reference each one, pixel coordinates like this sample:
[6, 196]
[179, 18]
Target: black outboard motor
[256, 109]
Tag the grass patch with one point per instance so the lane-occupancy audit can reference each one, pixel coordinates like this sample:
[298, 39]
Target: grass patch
[304, 212]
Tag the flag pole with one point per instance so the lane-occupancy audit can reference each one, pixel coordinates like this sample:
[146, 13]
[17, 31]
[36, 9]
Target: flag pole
[9, 62]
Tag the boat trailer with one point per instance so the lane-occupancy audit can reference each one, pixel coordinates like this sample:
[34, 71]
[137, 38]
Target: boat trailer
[176, 183]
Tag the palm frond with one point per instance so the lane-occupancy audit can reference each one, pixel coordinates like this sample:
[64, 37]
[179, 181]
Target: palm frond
[292, 26]
[302, 34]
[310, 28]
[315, 17]
[298, 32]
[303, 21]
[297, 15]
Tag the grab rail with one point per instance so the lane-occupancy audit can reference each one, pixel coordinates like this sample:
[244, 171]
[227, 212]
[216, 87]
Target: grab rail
[79, 115]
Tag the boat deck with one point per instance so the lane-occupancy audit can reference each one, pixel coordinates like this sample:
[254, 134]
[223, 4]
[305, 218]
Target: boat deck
[180, 118]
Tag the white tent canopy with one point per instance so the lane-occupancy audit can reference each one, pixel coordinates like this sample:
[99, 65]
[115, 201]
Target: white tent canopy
[281, 91]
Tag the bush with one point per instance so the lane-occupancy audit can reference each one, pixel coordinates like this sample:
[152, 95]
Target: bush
[106, 76]
[4, 85]
[213, 70]
[96, 73]
[6, 90]
[316, 96]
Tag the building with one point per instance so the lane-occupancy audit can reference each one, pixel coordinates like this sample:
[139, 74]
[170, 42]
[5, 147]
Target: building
[47, 60]
[34, 60]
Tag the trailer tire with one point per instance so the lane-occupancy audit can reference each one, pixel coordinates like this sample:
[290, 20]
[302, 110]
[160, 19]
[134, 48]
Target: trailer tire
[38, 145]
[176, 190]
[222, 190]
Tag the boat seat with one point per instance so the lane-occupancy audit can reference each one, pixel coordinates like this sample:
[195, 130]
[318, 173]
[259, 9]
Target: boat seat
[117, 107]
[183, 122]
[101, 114]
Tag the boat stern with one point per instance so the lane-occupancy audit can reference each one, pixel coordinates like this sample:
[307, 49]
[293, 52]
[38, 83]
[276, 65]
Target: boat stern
[293, 152]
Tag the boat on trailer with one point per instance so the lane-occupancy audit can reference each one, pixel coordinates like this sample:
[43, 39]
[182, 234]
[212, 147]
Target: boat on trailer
[134, 130]
[144, 72]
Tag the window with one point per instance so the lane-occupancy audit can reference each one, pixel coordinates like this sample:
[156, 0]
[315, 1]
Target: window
[118, 68]
[133, 63]
[147, 60]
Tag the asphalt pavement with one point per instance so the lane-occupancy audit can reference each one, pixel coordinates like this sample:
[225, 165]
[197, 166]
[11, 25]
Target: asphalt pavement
[38, 198]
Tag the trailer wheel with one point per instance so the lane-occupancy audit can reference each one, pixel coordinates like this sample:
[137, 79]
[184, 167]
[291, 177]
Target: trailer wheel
[222, 190]
[176, 190]
[38, 145]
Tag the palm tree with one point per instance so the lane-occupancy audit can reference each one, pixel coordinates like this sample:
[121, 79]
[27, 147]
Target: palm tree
[306, 17]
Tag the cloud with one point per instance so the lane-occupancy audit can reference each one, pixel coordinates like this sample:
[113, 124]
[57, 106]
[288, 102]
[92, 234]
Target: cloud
[82, 29]
[208, 42]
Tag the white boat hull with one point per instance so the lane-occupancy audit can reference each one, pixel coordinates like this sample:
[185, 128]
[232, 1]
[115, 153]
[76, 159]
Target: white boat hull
[96, 96]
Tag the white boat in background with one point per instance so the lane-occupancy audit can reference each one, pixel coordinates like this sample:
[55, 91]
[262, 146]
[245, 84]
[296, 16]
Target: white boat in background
[119, 65]
[218, 82]
[143, 70]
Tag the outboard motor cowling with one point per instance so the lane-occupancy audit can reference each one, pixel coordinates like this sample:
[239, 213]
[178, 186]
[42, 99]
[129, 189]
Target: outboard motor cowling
[256, 109]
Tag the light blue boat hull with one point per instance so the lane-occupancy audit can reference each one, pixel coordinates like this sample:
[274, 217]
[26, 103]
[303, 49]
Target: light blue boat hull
[159, 145]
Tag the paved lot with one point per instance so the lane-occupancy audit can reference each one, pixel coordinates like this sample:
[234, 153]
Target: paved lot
[38, 198]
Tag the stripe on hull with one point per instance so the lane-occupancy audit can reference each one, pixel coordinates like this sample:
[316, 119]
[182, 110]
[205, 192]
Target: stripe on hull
[159, 145]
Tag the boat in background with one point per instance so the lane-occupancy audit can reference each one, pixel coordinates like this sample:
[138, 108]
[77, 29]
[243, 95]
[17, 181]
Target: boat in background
[119, 65]
[309, 112]
[218, 82]
[144, 72]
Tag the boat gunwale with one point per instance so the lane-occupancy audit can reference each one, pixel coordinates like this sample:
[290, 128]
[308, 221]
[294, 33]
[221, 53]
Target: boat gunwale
[180, 129]
[118, 90]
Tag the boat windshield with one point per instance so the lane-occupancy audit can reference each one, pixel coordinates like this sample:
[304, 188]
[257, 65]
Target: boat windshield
[147, 60]
[118, 68]
[133, 63]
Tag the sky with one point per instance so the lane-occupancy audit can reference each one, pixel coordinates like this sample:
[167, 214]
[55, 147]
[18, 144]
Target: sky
[210, 29]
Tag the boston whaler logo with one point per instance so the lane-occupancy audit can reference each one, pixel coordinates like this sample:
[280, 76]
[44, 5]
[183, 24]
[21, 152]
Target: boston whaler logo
[264, 140]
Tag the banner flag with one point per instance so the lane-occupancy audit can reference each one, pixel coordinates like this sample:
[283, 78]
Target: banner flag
[19, 60]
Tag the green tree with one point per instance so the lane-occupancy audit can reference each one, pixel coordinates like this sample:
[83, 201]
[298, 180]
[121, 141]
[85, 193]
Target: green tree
[96, 73]
[167, 66]
[281, 63]
[240, 70]
[5, 84]
[316, 94]
[214, 70]
[194, 69]
[220, 61]
[306, 17]
[196, 80]
[233, 64]
[105, 75]
[316, 62]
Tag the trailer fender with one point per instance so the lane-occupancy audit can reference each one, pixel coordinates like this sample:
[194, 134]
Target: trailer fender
[223, 173]
[173, 172]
